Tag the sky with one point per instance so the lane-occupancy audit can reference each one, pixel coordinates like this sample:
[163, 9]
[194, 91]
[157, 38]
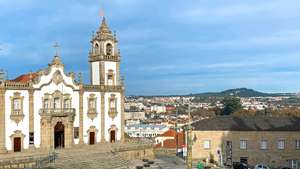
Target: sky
[167, 47]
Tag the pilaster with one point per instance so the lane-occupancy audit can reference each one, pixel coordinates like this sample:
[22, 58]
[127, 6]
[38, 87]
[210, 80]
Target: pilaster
[102, 73]
[2, 120]
[81, 115]
[118, 80]
[31, 114]
[102, 118]
[122, 117]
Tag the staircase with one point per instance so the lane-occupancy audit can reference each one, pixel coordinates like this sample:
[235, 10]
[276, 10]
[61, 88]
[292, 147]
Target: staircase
[91, 157]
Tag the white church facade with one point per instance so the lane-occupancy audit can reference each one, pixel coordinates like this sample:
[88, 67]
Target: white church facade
[52, 109]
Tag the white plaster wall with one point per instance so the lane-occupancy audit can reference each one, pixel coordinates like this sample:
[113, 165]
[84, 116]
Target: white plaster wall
[111, 66]
[10, 125]
[87, 122]
[109, 121]
[96, 73]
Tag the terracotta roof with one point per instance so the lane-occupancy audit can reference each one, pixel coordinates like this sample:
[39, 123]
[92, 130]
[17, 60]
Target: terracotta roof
[25, 77]
[169, 133]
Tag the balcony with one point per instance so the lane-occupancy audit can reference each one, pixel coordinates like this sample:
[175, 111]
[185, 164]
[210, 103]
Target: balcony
[92, 113]
[17, 116]
[57, 112]
[112, 113]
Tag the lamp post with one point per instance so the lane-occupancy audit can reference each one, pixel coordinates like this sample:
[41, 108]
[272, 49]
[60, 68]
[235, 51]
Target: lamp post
[189, 161]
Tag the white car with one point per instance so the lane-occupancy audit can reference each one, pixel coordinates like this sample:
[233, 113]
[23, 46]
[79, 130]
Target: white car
[261, 166]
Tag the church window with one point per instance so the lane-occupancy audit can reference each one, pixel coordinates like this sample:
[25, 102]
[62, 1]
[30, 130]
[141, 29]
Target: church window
[112, 106]
[92, 105]
[67, 103]
[110, 77]
[109, 49]
[17, 107]
[56, 103]
[46, 104]
[17, 104]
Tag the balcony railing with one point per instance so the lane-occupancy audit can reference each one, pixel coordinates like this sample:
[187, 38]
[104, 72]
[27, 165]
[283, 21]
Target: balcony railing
[57, 112]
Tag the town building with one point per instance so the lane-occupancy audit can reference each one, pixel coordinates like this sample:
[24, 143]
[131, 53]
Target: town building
[170, 140]
[50, 109]
[145, 130]
[254, 140]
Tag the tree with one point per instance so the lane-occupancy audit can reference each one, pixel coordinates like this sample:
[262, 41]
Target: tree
[231, 105]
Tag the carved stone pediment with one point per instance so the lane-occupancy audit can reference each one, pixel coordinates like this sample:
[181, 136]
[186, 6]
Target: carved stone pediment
[57, 78]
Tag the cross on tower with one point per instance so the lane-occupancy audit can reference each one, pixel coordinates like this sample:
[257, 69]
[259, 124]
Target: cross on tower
[56, 46]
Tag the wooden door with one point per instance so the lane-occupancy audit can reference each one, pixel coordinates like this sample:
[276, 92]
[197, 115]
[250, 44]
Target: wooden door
[17, 144]
[112, 136]
[92, 137]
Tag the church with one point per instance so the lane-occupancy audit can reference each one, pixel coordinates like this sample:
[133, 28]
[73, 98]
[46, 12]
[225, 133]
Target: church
[51, 108]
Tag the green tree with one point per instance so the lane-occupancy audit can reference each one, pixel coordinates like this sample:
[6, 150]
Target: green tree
[231, 105]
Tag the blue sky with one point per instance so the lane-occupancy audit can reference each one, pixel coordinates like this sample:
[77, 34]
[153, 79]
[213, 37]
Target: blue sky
[167, 47]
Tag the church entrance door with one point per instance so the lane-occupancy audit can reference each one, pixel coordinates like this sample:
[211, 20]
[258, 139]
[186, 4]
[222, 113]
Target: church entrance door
[112, 136]
[59, 135]
[17, 144]
[92, 138]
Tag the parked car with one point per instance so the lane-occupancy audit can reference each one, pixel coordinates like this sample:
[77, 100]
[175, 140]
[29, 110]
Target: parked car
[240, 166]
[283, 168]
[261, 166]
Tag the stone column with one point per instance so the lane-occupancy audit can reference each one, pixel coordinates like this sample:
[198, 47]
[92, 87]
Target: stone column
[102, 118]
[122, 116]
[2, 120]
[81, 115]
[31, 114]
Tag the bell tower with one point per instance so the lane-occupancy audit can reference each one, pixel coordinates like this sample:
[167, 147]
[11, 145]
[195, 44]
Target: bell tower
[104, 57]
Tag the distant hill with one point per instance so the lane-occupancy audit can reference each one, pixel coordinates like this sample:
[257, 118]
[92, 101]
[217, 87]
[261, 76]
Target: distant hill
[241, 92]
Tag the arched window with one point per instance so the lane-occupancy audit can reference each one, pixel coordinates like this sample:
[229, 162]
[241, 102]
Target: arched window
[96, 48]
[109, 49]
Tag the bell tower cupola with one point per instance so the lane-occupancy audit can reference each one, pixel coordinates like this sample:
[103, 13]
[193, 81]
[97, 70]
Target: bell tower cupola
[104, 57]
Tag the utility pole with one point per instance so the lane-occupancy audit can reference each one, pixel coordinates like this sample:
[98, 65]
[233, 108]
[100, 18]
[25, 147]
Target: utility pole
[189, 161]
[176, 129]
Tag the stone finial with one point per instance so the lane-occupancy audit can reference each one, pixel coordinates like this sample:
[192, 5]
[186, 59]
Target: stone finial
[56, 61]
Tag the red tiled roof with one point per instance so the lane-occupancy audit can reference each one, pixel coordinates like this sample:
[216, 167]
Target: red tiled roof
[169, 133]
[25, 77]
[171, 143]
